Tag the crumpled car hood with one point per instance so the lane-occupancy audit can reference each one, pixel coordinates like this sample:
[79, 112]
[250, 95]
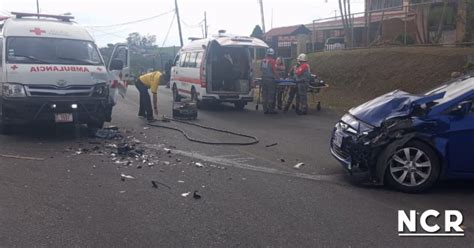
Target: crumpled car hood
[393, 104]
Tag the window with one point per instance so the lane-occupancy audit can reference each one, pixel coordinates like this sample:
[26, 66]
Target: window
[187, 62]
[389, 4]
[199, 59]
[176, 60]
[192, 61]
[32, 50]
[436, 12]
[183, 59]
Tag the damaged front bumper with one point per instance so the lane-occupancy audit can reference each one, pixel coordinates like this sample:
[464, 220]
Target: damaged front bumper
[359, 146]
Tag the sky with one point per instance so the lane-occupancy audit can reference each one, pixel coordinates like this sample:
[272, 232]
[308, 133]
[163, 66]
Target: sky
[101, 17]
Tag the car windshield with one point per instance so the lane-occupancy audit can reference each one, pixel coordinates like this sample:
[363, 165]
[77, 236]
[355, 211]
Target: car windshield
[453, 89]
[32, 50]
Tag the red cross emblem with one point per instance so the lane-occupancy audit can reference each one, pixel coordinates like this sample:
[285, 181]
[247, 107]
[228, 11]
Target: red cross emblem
[14, 67]
[37, 31]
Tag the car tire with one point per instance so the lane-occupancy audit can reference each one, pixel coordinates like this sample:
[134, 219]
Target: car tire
[239, 105]
[176, 96]
[413, 168]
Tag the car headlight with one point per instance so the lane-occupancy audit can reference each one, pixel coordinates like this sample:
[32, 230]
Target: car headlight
[13, 90]
[101, 90]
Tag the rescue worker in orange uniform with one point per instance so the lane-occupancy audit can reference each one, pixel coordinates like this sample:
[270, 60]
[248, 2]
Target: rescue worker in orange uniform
[269, 74]
[303, 77]
[302, 74]
[148, 81]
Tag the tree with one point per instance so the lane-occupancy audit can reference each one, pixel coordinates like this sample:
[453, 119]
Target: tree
[257, 32]
[141, 42]
[345, 10]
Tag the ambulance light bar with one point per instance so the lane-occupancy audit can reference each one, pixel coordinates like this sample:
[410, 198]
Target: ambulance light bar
[59, 17]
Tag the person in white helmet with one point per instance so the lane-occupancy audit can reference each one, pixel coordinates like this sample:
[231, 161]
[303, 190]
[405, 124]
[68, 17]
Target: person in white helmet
[303, 77]
[302, 74]
[269, 74]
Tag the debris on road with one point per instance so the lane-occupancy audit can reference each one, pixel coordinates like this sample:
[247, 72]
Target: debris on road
[282, 160]
[199, 165]
[123, 177]
[196, 195]
[185, 194]
[156, 183]
[21, 157]
[106, 133]
[298, 165]
[180, 181]
[274, 144]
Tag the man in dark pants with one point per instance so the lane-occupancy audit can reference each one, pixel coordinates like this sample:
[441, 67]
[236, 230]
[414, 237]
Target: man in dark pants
[269, 74]
[148, 81]
[168, 66]
[303, 76]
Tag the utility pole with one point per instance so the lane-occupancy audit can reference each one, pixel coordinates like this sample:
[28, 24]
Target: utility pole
[263, 17]
[179, 22]
[205, 25]
[37, 7]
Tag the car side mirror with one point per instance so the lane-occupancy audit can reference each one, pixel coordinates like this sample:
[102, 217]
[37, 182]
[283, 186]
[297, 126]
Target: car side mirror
[116, 64]
[462, 108]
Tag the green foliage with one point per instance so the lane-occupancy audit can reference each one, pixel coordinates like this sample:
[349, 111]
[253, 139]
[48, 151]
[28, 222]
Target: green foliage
[401, 39]
[257, 32]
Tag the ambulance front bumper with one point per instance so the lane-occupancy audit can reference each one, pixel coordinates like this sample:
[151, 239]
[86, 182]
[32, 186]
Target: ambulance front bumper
[18, 111]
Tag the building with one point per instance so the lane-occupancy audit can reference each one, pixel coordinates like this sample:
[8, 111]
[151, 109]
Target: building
[288, 41]
[423, 21]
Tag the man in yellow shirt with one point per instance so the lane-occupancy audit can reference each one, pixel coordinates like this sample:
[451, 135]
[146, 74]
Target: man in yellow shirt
[148, 81]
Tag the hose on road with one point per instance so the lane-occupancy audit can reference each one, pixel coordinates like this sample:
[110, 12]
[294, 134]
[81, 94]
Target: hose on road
[166, 119]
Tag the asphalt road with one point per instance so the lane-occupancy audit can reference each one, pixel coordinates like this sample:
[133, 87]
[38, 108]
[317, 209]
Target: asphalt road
[251, 196]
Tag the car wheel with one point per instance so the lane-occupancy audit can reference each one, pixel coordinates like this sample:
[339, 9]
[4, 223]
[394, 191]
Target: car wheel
[176, 96]
[239, 105]
[413, 168]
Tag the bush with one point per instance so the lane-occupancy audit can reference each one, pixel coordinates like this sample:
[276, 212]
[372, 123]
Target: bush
[401, 39]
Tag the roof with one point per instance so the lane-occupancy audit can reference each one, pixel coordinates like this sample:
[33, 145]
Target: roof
[359, 21]
[287, 31]
[226, 40]
[31, 27]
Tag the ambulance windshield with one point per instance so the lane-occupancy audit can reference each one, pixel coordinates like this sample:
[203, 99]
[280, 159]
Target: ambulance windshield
[32, 50]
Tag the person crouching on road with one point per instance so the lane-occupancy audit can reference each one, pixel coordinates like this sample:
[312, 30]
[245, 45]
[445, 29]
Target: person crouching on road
[303, 77]
[148, 81]
[269, 74]
[281, 71]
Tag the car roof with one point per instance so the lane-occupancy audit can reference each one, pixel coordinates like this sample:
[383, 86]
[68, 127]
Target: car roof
[32, 27]
[225, 40]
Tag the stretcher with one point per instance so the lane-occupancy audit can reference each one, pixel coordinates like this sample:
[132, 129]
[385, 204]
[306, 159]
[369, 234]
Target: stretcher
[285, 86]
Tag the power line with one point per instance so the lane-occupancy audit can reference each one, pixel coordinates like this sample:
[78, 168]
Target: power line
[133, 22]
[167, 33]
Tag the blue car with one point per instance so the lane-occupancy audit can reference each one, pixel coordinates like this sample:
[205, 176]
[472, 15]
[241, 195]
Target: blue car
[410, 142]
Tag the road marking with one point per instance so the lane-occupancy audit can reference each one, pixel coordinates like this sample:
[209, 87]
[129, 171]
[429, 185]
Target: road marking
[240, 165]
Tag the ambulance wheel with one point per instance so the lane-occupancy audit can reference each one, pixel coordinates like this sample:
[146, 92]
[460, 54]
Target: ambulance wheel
[176, 96]
[239, 105]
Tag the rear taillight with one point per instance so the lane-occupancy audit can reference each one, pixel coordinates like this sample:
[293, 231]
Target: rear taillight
[203, 77]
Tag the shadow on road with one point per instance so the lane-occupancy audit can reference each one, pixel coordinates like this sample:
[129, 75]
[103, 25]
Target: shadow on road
[43, 132]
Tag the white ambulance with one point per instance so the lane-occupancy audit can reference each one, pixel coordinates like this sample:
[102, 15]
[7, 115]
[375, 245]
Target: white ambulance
[52, 71]
[218, 69]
